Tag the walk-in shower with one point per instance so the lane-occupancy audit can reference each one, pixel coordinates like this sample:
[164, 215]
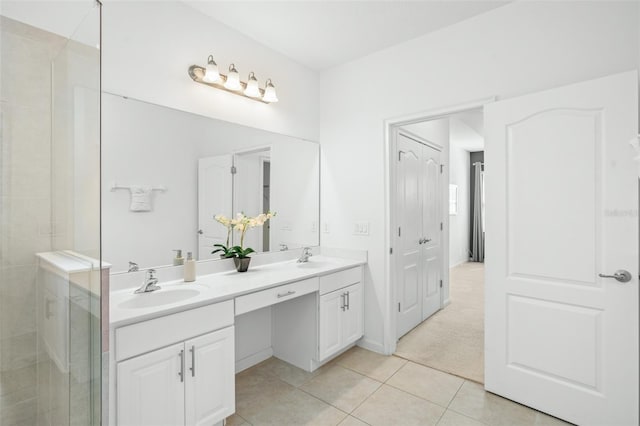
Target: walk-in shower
[50, 270]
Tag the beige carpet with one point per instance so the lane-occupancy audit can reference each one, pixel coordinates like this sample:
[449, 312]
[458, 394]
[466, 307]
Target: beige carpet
[452, 340]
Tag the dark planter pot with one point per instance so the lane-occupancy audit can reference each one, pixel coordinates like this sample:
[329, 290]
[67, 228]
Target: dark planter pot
[242, 264]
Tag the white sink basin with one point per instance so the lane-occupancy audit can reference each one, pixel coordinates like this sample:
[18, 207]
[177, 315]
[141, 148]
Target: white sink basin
[158, 298]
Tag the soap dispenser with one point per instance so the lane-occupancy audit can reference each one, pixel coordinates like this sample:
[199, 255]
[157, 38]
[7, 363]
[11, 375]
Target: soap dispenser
[189, 269]
[178, 260]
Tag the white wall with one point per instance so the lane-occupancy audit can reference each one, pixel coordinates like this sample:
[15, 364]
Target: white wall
[516, 49]
[146, 144]
[459, 223]
[147, 48]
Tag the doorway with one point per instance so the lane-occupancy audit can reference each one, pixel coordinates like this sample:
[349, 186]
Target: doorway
[441, 325]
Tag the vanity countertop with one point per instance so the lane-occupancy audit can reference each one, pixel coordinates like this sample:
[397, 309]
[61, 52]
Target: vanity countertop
[222, 286]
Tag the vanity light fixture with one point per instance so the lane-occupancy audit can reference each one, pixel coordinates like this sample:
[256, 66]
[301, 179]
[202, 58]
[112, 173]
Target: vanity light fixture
[231, 82]
[252, 90]
[211, 74]
[233, 79]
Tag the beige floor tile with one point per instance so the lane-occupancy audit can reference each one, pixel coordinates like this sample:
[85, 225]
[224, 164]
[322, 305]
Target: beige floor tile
[391, 406]
[235, 420]
[451, 418]
[426, 383]
[472, 401]
[373, 365]
[343, 388]
[257, 390]
[286, 372]
[352, 421]
[297, 408]
[543, 419]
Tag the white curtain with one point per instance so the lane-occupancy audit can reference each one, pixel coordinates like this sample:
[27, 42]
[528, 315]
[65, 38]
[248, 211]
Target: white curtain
[477, 230]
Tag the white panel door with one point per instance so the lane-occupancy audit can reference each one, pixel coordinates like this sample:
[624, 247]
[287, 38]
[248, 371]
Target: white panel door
[561, 208]
[408, 207]
[352, 328]
[214, 197]
[331, 308]
[150, 389]
[431, 232]
[210, 378]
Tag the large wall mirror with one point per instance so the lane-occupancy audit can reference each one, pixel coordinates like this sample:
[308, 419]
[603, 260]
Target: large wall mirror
[167, 173]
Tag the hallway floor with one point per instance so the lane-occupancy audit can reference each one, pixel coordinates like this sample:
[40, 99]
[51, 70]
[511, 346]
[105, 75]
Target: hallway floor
[364, 388]
[452, 340]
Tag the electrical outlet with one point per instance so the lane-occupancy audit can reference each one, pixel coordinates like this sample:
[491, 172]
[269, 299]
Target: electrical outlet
[325, 227]
[314, 226]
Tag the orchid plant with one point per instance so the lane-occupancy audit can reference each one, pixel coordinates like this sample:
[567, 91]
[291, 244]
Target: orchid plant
[240, 223]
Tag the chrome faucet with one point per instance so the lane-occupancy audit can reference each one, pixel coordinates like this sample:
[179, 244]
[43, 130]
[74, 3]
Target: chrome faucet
[149, 284]
[133, 267]
[306, 254]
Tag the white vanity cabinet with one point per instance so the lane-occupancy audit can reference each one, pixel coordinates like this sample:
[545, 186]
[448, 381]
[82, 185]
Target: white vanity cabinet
[340, 311]
[191, 382]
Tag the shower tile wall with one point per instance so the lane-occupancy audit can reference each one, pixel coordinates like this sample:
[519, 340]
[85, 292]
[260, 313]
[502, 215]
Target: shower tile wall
[25, 212]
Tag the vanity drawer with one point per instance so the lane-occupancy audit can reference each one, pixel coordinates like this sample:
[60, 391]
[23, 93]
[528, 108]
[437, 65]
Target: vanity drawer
[145, 336]
[271, 296]
[338, 280]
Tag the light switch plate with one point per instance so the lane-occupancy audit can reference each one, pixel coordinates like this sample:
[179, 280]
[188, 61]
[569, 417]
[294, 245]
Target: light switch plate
[361, 228]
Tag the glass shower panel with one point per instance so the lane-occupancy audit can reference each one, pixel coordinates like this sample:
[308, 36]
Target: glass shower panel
[75, 213]
[50, 270]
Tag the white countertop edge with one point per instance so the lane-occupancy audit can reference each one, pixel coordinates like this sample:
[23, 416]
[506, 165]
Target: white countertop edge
[119, 317]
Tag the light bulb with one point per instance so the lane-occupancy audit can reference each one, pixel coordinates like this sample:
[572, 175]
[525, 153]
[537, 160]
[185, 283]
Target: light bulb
[252, 86]
[211, 74]
[269, 92]
[233, 79]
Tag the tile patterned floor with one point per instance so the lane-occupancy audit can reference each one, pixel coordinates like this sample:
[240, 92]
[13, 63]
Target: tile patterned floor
[364, 388]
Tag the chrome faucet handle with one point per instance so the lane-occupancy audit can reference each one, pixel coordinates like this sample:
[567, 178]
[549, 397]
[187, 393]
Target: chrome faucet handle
[283, 247]
[307, 251]
[133, 267]
[150, 273]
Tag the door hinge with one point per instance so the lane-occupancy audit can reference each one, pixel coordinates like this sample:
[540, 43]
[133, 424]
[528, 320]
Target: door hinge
[441, 226]
[234, 170]
[390, 250]
[399, 231]
[441, 168]
[440, 283]
[398, 306]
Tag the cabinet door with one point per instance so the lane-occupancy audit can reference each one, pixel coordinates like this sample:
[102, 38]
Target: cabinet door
[210, 381]
[150, 389]
[330, 324]
[352, 324]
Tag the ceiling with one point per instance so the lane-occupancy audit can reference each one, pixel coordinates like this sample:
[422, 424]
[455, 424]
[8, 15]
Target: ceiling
[322, 34]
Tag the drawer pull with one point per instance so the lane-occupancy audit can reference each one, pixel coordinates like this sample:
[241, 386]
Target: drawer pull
[289, 293]
[343, 303]
[348, 301]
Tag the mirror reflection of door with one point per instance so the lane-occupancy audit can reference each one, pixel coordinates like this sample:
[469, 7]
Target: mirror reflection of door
[230, 184]
[249, 193]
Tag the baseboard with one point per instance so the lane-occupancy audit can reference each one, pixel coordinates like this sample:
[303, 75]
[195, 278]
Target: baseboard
[254, 359]
[372, 346]
[458, 263]
[446, 303]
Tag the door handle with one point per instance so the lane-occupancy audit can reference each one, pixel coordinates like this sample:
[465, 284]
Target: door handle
[343, 302]
[426, 240]
[420, 241]
[348, 302]
[200, 231]
[620, 275]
